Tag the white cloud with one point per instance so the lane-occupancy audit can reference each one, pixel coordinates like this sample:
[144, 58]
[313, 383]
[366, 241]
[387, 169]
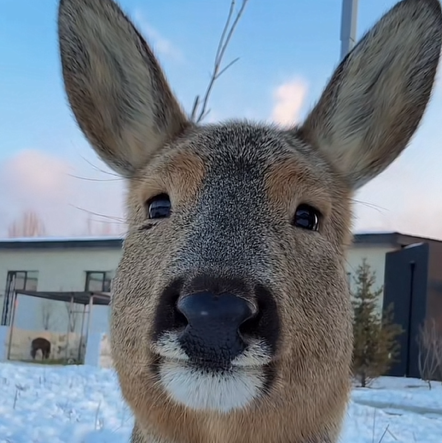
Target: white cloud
[160, 44]
[63, 194]
[34, 171]
[288, 101]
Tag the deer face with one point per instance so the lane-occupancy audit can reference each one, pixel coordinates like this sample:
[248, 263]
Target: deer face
[231, 318]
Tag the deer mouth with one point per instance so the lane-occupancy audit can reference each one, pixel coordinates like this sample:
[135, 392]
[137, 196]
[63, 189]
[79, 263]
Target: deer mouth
[212, 384]
[255, 354]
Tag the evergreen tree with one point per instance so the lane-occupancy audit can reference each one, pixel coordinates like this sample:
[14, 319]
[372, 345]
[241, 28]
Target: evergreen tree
[375, 335]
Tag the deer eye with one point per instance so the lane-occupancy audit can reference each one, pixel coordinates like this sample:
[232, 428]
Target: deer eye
[158, 207]
[306, 217]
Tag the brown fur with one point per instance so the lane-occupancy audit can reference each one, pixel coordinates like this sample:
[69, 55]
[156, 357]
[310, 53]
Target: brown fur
[41, 344]
[234, 189]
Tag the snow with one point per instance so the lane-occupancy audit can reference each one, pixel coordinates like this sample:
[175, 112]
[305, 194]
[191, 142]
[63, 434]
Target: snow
[71, 404]
[83, 404]
[406, 410]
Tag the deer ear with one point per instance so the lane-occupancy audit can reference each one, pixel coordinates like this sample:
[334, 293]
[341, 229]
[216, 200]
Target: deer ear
[115, 86]
[378, 94]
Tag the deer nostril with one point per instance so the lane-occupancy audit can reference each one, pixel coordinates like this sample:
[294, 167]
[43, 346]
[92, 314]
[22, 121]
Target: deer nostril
[251, 325]
[180, 318]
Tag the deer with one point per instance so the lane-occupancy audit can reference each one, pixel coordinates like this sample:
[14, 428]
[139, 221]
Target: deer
[231, 317]
[41, 344]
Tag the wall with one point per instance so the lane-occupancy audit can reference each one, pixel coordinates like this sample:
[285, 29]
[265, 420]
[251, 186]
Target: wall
[434, 306]
[58, 270]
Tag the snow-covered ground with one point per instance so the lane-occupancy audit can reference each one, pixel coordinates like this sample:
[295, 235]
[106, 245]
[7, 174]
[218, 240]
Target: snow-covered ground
[80, 404]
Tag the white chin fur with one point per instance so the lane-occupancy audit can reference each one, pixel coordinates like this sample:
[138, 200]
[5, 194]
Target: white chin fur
[218, 392]
[202, 390]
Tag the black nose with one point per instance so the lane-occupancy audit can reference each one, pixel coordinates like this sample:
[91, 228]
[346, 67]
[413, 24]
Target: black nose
[212, 335]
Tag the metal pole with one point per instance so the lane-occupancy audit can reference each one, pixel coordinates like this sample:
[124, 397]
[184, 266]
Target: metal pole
[348, 25]
[11, 326]
[91, 304]
[81, 333]
[66, 355]
[10, 288]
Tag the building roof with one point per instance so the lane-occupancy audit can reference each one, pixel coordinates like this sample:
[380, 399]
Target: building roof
[392, 238]
[62, 243]
[78, 297]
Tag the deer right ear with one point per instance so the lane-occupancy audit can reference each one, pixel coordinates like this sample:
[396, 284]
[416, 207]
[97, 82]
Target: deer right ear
[377, 96]
[115, 86]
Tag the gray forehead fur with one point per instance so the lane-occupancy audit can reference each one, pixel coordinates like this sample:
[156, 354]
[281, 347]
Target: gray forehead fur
[240, 143]
[229, 226]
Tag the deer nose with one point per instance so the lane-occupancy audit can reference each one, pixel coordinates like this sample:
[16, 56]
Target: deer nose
[212, 335]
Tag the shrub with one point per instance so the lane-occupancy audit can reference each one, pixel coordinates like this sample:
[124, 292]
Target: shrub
[375, 335]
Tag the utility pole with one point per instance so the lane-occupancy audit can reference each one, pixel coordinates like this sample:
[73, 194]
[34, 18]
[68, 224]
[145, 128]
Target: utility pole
[348, 25]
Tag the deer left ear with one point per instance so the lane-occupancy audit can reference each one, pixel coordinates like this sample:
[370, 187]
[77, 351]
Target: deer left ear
[115, 85]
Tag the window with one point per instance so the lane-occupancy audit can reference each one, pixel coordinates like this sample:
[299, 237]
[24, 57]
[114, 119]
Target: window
[25, 280]
[99, 281]
[16, 280]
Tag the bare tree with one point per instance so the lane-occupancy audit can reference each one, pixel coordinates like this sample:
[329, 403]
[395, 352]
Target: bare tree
[46, 314]
[89, 227]
[72, 316]
[28, 225]
[430, 352]
[199, 110]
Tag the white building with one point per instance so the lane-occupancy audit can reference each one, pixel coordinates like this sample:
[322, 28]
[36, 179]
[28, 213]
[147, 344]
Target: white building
[88, 264]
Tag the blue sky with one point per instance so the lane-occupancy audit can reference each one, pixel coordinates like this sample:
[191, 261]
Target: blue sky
[279, 43]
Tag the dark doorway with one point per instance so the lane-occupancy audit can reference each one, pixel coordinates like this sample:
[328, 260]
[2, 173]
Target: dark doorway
[406, 281]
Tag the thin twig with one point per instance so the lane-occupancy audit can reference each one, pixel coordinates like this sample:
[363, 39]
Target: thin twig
[199, 109]
[195, 106]
[374, 426]
[383, 435]
[391, 433]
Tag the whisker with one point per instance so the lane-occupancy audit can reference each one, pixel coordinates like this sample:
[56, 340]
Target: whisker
[96, 179]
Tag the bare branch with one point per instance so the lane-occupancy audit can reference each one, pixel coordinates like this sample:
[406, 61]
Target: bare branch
[72, 316]
[430, 352]
[199, 110]
[195, 106]
[220, 73]
[46, 314]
